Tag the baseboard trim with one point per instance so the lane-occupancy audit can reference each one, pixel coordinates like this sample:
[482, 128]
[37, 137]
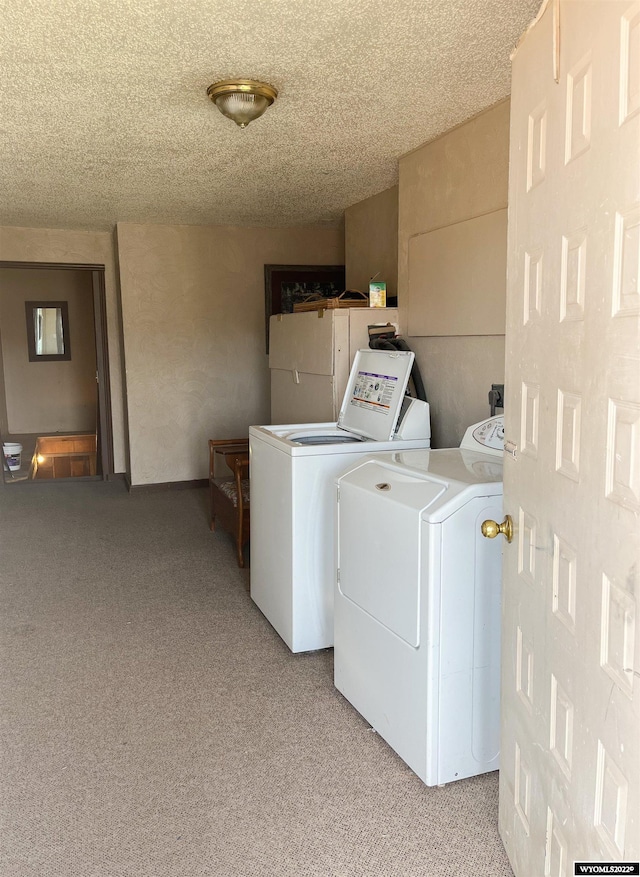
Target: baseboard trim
[166, 485]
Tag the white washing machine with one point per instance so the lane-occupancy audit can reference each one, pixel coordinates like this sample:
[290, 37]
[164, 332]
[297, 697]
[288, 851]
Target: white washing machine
[417, 602]
[293, 468]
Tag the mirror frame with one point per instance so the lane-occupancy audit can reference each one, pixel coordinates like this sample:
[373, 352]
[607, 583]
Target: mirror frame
[30, 307]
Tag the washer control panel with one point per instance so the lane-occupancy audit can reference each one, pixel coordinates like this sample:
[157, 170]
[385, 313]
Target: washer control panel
[487, 437]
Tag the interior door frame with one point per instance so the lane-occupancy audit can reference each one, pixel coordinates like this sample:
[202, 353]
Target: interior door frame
[105, 437]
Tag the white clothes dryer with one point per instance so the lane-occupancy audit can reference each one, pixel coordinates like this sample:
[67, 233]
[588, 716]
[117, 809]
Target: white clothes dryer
[292, 471]
[417, 602]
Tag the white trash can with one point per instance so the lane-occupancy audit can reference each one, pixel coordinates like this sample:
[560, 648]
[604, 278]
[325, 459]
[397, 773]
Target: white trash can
[12, 452]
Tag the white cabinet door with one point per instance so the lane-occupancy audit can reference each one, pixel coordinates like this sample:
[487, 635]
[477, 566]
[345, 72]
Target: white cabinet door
[302, 360]
[301, 397]
[303, 342]
[569, 778]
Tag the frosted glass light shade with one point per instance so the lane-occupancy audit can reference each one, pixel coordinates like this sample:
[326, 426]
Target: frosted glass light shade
[242, 108]
[242, 100]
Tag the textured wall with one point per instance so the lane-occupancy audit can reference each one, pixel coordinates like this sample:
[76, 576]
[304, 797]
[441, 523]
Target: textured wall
[43, 397]
[194, 335]
[461, 175]
[85, 248]
[371, 241]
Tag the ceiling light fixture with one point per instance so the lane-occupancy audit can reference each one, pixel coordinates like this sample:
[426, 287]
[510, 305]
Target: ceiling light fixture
[242, 100]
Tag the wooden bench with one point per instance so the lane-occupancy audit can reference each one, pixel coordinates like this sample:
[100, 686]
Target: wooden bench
[230, 494]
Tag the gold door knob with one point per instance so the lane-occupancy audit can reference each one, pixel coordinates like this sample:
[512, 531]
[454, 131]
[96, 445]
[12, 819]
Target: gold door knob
[490, 529]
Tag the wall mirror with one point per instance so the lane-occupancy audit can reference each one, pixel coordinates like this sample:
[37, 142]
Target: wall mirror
[48, 330]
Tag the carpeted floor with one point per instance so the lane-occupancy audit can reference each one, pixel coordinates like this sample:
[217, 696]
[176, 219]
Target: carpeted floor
[154, 725]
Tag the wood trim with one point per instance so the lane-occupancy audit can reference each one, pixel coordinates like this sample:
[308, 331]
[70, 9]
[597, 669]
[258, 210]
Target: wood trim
[32, 483]
[105, 432]
[166, 485]
[38, 483]
[63, 266]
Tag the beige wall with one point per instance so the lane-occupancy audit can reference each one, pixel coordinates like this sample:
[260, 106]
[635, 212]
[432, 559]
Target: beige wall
[194, 335]
[4, 426]
[84, 248]
[43, 397]
[371, 241]
[463, 174]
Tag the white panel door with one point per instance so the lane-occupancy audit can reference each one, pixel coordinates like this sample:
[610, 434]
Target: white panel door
[570, 778]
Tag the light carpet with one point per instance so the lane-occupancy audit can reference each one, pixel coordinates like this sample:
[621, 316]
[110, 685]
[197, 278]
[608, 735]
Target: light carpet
[153, 724]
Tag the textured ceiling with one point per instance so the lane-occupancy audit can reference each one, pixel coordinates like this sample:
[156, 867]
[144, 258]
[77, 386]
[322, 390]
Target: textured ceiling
[104, 115]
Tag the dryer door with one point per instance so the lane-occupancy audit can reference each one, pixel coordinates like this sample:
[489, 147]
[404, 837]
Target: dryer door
[379, 544]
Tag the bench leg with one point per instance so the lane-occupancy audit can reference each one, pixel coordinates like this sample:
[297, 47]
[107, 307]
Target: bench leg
[212, 524]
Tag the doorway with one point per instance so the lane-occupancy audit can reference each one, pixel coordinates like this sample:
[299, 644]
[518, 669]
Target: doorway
[55, 406]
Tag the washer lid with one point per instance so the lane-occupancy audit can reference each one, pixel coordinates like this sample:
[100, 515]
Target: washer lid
[373, 398]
